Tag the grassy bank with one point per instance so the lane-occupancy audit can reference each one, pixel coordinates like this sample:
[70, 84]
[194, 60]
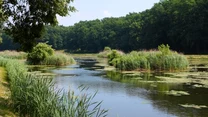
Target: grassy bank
[5, 109]
[34, 96]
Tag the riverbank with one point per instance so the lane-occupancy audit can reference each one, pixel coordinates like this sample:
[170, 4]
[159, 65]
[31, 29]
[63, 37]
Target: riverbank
[5, 110]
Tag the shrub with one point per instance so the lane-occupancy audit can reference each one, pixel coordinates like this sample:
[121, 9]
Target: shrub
[105, 52]
[114, 56]
[39, 53]
[107, 49]
[164, 49]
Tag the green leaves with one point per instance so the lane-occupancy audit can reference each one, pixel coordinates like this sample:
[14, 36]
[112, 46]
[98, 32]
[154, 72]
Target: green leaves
[39, 53]
[30, 16]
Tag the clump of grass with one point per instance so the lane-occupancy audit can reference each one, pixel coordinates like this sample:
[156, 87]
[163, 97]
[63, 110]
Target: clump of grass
[13, 54]
[164, 59]
[58, 59]
[34, 96]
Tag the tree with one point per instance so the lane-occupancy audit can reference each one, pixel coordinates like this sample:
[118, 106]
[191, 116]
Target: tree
[30, 16]
[1, 19]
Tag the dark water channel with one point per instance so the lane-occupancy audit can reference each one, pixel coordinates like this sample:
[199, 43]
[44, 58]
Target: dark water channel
[133, 95]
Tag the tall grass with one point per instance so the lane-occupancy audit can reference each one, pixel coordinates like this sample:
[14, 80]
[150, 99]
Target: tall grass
[152, 60]
[13, 54]
[33, 96]
[58, 59]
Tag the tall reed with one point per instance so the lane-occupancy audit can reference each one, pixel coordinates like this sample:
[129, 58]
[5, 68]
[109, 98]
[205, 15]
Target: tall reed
[152, 60]
[58, 59]
[33, 96]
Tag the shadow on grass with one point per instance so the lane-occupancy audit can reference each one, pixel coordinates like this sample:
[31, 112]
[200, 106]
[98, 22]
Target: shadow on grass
[5, 109]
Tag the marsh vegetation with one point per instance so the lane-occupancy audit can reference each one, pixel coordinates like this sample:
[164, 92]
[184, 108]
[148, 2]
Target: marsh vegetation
[35, 95]
[162, 59]
[170, 93]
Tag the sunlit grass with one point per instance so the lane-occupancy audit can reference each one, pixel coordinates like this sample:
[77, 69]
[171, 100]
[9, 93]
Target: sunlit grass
[13, 54]
[58, 59]
[34, 96]
[152, 60]
[5, 110]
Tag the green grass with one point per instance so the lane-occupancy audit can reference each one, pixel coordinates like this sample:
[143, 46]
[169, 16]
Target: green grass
[13, 54]
[34, 96]
[58, 59]
[152, 60]
[5, 110]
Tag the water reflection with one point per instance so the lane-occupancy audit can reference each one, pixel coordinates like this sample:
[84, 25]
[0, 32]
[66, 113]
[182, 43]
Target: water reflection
[133, 95]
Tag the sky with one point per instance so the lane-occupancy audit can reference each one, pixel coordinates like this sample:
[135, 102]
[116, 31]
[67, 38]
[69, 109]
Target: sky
[99, 9]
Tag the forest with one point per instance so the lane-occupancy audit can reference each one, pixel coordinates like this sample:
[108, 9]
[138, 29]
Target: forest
[182, 24]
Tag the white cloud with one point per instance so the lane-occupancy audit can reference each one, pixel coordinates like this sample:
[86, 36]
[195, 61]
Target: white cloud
[107, 14]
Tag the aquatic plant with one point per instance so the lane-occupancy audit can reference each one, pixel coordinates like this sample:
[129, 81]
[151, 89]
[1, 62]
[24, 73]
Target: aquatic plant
[34, 96]
[164, 59]
[58, 59]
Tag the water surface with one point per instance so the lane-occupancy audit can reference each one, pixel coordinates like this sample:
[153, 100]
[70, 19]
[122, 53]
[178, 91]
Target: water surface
[127, 95]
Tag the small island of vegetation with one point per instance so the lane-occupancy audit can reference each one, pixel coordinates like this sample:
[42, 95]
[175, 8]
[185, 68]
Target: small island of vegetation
[162, 59]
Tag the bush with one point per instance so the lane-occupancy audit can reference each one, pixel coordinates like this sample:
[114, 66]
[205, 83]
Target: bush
[39, 53]
[107, 49]
[164, 49]
[105, 52]
[114, 56]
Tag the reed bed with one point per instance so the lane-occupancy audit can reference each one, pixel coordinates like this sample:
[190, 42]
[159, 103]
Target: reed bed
[13, 54]
[58, 59]
[152, 60]
[34, 96]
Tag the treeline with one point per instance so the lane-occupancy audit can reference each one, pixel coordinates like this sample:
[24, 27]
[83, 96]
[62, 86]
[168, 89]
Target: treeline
[182, 24]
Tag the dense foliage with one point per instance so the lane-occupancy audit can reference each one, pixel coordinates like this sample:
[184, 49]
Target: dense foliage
[34, 96]
[39, 53]
[182, 24]
[26, 18]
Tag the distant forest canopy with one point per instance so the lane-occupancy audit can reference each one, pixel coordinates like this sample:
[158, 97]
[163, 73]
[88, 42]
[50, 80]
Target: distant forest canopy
[182, 24]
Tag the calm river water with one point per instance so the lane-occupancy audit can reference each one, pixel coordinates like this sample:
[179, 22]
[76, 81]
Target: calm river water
[129, 96]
